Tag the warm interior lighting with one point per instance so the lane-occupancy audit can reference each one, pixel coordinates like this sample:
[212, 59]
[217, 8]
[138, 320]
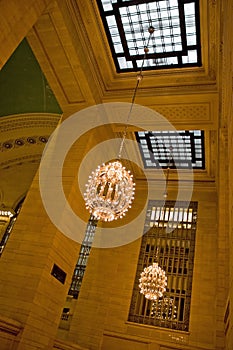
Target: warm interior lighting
[153, 282]
[109, 191]
[164, 309]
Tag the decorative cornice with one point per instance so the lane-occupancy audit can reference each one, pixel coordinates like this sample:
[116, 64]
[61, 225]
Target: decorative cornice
[30, 120]
[33, 158]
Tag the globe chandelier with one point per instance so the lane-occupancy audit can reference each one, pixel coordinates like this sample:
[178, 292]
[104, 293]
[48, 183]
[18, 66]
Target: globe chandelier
[110, 188]
[153, 282]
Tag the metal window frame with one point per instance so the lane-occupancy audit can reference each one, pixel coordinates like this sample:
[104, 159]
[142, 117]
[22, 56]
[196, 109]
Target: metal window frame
[182, 141]
[136, 60]
[174, 251]
[84, 254]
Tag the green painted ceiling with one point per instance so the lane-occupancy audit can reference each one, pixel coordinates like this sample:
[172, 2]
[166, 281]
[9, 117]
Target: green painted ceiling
[23, 86]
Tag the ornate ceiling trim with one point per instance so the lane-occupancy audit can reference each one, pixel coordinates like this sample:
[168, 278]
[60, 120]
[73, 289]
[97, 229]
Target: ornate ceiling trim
[19, 161]
[29, 120]
[23, 137]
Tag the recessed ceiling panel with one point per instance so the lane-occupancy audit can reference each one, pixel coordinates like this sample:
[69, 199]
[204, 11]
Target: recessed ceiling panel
[174, 43]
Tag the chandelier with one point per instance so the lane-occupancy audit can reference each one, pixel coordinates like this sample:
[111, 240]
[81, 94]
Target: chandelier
[153, 282]
[110, 188]
[110, 191]
[164, 309]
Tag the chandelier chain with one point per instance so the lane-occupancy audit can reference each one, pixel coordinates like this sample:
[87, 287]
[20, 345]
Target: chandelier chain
[139, 79]
[168, 171]
[110, 188]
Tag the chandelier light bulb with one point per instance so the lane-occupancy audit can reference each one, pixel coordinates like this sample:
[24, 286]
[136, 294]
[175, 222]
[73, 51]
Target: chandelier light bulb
[164, 309]
[153, 282]
[109, 191]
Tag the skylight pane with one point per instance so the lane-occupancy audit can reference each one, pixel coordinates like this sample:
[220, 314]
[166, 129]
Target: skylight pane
[191, 57]
[118, 48]
[107, 5]
[112, 26]
[189, 10]
[183, 149]
[123, 63]
[174, 43]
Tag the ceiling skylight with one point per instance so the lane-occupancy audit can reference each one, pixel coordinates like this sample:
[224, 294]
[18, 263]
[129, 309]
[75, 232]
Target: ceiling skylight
[176, 149]
[175, 42]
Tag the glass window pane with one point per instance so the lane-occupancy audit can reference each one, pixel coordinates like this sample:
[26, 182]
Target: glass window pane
[177, 28]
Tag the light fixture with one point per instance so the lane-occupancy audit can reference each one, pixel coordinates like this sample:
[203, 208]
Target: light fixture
[164, 308]
[110, 188]
[153, 282]
[110, 191]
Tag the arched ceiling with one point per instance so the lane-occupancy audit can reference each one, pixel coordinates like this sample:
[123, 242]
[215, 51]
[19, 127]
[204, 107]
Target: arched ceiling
[29, 113]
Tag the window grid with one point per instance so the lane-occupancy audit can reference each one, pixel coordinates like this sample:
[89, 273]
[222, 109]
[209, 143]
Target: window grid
[186, 147]
[83, 258]
[174, 252]
[9, 228]
[175, 42]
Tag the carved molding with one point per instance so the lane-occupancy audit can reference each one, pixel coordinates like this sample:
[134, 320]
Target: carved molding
[32, 158]
[30, 120]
